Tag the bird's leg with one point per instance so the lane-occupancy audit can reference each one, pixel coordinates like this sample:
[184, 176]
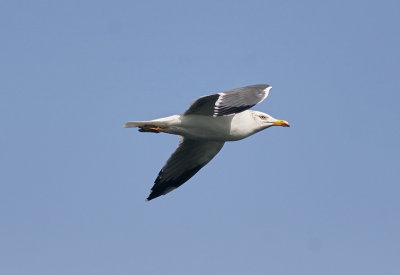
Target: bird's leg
[150, 128]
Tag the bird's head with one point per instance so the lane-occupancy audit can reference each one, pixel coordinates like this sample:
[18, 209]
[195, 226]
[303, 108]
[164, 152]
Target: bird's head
[265, 120]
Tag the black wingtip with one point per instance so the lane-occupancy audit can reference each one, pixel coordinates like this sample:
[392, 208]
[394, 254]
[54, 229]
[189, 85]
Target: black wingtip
[152, 196]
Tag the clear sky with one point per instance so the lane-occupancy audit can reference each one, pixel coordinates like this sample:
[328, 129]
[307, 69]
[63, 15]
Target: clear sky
[321, 197]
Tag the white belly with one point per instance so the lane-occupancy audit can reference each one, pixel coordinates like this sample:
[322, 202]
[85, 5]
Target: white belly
[223, 128]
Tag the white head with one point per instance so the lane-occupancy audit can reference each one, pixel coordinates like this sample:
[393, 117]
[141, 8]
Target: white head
[264, 120]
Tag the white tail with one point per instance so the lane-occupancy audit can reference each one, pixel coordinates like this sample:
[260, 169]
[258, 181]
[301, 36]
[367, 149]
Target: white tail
[131, 124]
[146, 126]
[154, 126]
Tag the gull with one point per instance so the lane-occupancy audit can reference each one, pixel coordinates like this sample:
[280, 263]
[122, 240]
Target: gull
[203, 129]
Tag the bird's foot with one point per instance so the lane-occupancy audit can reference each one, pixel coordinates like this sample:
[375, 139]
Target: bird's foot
[150, 129]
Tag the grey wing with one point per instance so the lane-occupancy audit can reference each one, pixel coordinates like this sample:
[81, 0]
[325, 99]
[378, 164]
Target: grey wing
[229, 102]
[190, 156]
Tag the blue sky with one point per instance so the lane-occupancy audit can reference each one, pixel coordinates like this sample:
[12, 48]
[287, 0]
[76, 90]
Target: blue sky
[320, 197]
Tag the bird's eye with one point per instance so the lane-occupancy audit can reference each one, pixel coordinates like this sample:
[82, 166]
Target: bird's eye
[263, 117]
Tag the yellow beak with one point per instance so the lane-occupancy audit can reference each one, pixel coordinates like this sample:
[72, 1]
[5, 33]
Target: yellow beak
[283, 123]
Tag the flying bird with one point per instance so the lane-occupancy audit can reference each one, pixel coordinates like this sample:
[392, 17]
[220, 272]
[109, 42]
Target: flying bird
[203, 129]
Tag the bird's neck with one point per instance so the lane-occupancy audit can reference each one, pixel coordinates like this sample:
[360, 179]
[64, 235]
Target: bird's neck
[244, 125]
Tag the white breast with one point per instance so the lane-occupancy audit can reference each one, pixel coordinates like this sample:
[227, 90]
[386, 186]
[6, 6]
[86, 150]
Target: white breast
[223, 128]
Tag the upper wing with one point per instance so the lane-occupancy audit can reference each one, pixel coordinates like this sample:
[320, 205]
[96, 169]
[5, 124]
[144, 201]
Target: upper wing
[190, 156]
[229, 102]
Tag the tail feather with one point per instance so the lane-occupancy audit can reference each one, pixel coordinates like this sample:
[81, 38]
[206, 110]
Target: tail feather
[131, 124]
[152, 126]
